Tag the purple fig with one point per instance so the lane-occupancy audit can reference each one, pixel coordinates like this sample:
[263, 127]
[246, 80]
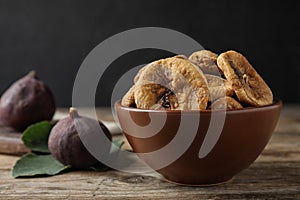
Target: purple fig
[65, 143]
[26, 102]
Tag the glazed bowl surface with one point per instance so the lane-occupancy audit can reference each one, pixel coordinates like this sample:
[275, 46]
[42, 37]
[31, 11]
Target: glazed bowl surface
[212, 146]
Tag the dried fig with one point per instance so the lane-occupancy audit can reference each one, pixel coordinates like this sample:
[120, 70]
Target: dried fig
[181, 77]
[66, 146]
[155, 96]
[128, 99]
[218, 87]
[206, 61]
[224, 103]
[25, 102]
[248, 85]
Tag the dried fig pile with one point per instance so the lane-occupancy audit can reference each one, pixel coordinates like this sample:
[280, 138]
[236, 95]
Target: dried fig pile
[203, 81]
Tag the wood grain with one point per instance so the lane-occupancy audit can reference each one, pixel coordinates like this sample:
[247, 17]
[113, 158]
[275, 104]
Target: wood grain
[274, 175]
[10, 142]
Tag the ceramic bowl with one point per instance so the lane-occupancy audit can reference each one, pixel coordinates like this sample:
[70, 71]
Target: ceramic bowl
[229, 141]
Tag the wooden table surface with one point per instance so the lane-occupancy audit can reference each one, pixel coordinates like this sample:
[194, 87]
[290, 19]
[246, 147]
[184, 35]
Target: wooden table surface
[274, 175]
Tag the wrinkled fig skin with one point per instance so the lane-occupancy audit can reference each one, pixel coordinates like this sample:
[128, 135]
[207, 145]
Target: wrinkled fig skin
[65, 144]
[26, 102]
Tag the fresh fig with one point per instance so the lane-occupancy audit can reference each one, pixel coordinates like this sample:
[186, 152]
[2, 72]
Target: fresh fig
[65, 143]
[26, 102]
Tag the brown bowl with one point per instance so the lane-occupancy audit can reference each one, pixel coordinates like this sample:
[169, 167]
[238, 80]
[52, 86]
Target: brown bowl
[243, 137]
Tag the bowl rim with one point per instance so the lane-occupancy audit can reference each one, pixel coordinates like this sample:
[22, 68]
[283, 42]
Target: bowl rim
[276, 103]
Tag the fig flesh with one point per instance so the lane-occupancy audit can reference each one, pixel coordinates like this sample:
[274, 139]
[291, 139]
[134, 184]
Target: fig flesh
[65, 143]
[26, 102]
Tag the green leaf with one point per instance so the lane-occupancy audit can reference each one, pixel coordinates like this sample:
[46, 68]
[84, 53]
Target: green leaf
[33, 165]
[35, 137]
[116, 145]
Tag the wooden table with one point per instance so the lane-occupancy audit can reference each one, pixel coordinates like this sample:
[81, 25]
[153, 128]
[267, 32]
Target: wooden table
[274, 175]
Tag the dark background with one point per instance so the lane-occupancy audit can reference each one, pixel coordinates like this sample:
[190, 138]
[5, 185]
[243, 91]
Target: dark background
[54, 37]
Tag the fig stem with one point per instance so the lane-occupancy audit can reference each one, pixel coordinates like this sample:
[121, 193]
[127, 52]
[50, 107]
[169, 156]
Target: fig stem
[73, 112]
[32, 74]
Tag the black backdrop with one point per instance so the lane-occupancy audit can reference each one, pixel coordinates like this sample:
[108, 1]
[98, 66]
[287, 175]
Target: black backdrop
[53, 37]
